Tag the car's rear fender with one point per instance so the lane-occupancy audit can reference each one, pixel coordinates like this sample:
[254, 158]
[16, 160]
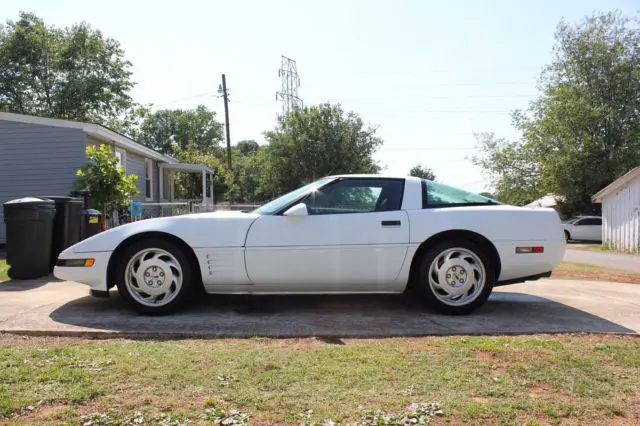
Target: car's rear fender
[457, 235]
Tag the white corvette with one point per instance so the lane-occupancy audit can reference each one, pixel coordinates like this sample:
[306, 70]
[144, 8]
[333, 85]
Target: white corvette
[340, 234]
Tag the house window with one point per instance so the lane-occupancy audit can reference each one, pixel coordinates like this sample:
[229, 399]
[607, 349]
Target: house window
[121, 155]
[148, 179]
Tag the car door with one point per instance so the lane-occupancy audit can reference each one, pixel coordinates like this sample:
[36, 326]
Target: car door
[353, 237]
[579, 230]
[593, 229]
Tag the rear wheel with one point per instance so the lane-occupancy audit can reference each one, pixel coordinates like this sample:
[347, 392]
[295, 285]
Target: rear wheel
[567, 237]
[155, 276]
[456, 277]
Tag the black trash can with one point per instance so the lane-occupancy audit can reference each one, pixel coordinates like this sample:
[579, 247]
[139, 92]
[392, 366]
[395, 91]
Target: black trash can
[91, 223]
[29, 226]
[67, 224]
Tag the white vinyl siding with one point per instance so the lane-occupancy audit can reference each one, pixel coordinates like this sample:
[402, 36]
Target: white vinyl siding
[621, 218]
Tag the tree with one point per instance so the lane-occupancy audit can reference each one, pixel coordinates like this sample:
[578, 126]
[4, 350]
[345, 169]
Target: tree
[72, 73]
[171, 131]
[189, 185]
[511, 167]
[316, 141]
[584, 130]
[248, 147]
[422, 172]
[249, 166]
[109, 185]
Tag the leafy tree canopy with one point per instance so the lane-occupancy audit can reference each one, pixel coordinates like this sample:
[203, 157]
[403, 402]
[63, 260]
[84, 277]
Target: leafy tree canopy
[422, 172]
[584, 130]
[250, 165]
[317, 141]
[72, 73]
[108, 183]
[189, 185]
[172, 131]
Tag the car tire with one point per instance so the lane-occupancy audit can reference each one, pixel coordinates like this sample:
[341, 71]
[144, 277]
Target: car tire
[160, 267]
[452, 267]
[567, 236]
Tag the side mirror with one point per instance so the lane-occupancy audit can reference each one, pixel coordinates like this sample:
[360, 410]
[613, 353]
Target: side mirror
[299, 209]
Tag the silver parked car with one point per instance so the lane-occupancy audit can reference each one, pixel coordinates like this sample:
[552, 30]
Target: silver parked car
[583, 228]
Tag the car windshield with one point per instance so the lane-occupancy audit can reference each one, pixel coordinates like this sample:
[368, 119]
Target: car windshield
[275, 205]
[570, 221]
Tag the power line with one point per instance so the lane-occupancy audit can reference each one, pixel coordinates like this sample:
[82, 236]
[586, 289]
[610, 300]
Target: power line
[186, 99]
[382, 98]
[463, 148]
[450, 70]
[475, 182]
[386, 98]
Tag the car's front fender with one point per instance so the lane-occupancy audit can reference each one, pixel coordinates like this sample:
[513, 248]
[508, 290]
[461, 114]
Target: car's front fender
[223, 229]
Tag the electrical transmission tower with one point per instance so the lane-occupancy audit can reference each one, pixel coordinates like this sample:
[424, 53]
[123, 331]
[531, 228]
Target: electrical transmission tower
[288, 93]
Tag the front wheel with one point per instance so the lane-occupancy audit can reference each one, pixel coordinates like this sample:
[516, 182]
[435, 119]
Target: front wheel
[155, 276]
[456, 277]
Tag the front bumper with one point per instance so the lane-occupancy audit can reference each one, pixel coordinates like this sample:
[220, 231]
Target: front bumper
[94, 276]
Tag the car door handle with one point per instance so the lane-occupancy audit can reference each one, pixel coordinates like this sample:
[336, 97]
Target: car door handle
[388, 223]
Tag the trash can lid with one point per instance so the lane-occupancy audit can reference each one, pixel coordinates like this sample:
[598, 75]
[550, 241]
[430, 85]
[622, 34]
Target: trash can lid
[56, 197]
[59, 199]
[30, 200]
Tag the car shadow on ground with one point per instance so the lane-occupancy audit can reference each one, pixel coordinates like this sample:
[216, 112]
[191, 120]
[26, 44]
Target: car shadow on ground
[25, 285]
[332, 316]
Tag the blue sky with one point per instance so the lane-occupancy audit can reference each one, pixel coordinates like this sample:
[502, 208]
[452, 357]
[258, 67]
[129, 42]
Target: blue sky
[427, 73]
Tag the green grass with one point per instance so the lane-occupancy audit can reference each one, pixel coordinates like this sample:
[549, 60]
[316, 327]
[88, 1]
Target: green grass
[4, 269]
[477, 380]
[601, 248]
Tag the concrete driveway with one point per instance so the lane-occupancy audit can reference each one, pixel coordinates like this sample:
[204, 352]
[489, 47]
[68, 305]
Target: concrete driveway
[542, 306]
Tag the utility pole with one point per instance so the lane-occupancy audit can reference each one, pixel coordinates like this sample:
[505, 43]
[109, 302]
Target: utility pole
[222, 89]
[290, 81]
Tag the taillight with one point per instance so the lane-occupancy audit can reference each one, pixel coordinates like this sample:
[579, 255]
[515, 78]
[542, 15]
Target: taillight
[539, 249]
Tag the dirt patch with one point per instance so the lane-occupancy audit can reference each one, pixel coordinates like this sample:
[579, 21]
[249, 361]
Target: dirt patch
[486, 356]
[421, 343]
[592, 273]
[541, 389]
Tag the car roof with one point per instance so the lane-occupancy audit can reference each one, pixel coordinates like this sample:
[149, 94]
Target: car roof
[373, 176]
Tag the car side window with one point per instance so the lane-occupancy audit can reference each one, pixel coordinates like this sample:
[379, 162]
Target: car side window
[436, 194]
[591, 221]
[357, 196]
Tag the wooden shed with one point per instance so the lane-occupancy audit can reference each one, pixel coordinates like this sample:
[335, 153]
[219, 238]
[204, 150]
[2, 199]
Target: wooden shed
[621, 212]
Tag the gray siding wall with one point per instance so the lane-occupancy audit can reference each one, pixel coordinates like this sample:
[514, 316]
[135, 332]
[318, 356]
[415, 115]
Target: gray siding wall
[37, 160]
[136, 165]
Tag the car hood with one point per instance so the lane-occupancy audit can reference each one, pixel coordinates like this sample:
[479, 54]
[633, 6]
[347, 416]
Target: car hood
[198, 230]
